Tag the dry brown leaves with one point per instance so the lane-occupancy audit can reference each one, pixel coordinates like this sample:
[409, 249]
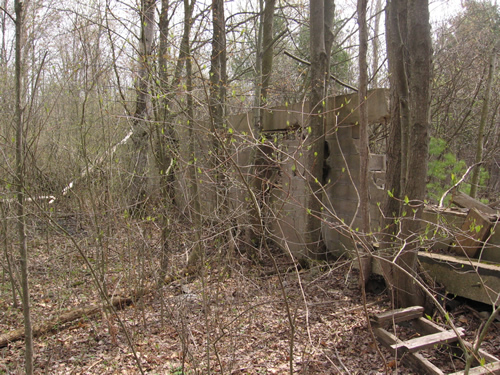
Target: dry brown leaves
[232, 320]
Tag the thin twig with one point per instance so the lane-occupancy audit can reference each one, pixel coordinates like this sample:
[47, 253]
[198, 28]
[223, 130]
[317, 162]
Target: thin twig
[458, 182]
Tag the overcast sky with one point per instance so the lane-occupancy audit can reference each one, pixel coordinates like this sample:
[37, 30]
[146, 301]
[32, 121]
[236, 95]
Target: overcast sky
[442, 9]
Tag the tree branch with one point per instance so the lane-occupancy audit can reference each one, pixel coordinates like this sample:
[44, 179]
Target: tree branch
[331, 75]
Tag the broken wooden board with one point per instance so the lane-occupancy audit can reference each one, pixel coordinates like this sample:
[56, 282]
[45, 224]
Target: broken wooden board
[475, 230]
[427, 341]
[465, 201]
[414, 360]
[398, 315]
[488, 368]
[463, 277]
[431, 334]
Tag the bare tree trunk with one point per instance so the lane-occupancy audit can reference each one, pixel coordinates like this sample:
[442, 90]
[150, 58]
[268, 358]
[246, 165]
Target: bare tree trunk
[218, 74]
[375, 43]
[420, 50]
[167, 143]
[23, 247]
[396, 20]
[143, 107]
[195, 207]
[257, 102]
[403, 76]
[268, 50]
[3, 19]
[482, 123]
[420, 47]
[217, 109]
[217, 100]
[166, 152]
[321, 39]
[363, 117]
[262, 160]
[412, 75]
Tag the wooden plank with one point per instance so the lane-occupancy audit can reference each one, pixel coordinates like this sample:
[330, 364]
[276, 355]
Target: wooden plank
[427, 326]
[418, 362]
[386, 338]
[399, 315]
[475, 230]
[489, 368]
[408, 350]
[415, 360]
[466, 201]
[428, 341]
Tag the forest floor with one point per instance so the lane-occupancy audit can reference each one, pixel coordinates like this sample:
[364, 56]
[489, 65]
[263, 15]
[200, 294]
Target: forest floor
[231, 320]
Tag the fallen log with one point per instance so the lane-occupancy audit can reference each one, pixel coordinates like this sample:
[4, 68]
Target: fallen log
[54, 324]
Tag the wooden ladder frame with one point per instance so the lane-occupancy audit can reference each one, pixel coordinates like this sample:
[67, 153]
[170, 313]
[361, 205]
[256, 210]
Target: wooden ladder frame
[431, 334]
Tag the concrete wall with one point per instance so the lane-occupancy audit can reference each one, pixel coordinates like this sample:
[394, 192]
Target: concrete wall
[288, 125]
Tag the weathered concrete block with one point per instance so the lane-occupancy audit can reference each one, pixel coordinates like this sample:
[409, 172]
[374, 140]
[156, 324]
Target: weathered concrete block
[241, 123]
[344, 108]
[284, 117]
[340, 189]
[341, 176]
[377, 162]
[474, 280]
[355, 131]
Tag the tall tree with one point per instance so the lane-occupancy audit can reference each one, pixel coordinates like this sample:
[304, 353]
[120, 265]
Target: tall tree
[262, 159]
[217, 99]
[363, 116]
[139, 162]
[166, 152]
[267, 47]
[396, 36]
[375, 42]
[321, 40]
[20, 170]
[420, 51]
[218, 70]
[484, 117]
[416, 80]
[264, 57]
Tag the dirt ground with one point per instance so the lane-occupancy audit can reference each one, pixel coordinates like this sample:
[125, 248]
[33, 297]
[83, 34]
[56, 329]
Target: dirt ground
[232, 319]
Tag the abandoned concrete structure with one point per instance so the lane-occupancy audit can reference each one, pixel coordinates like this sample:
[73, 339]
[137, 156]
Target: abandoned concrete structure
[342, 163]
[287, 125]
